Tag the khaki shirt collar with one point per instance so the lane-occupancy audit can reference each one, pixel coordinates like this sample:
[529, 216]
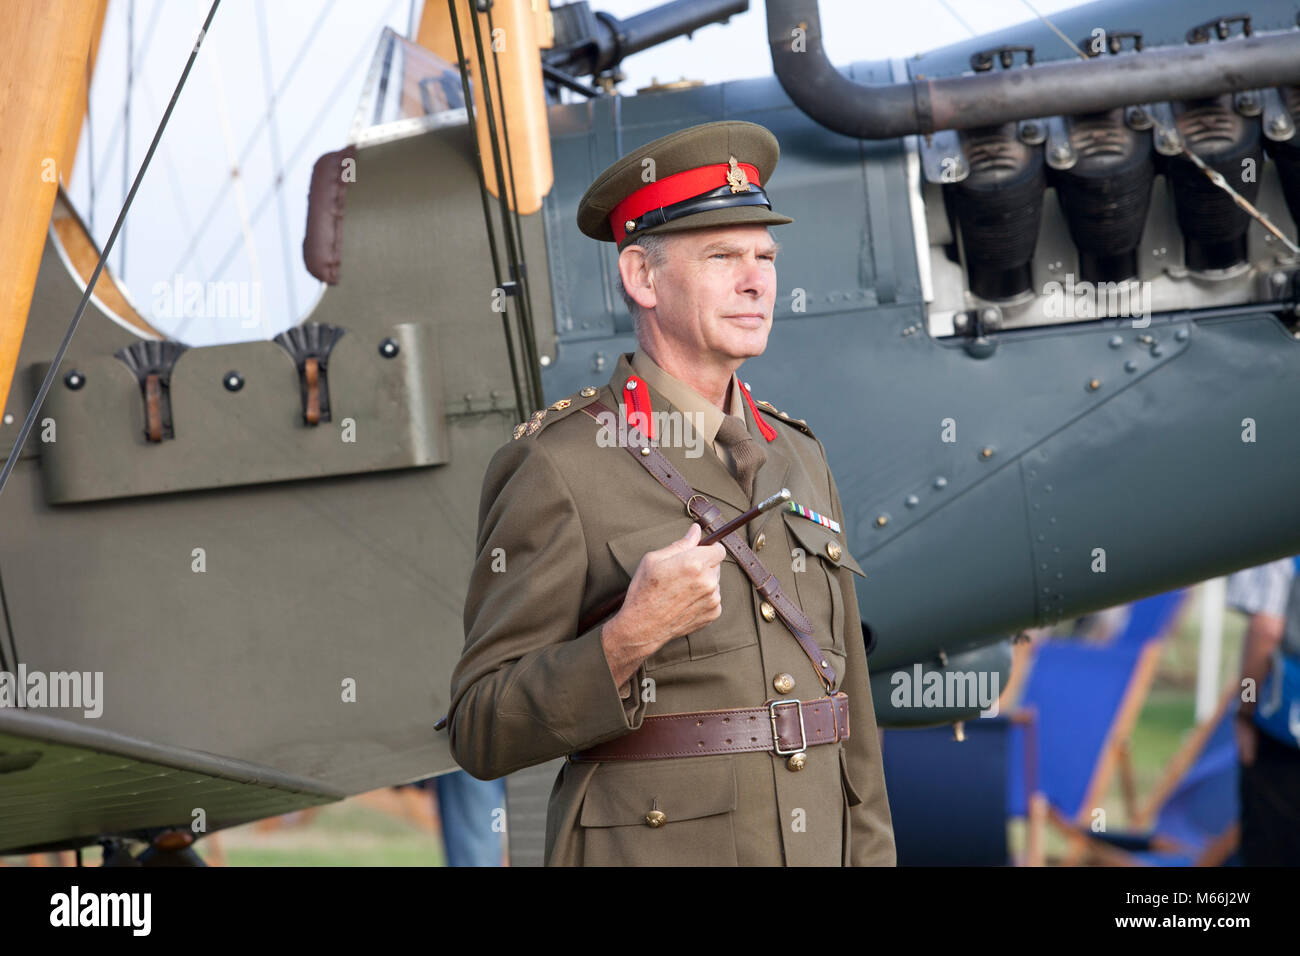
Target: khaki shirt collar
[686, 399]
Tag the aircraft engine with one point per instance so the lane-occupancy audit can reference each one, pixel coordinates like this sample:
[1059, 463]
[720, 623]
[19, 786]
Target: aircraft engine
[1213, 226]
[1106, 194]
[997, 209]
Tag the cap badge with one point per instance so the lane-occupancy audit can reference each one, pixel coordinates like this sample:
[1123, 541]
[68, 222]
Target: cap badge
[736, 177]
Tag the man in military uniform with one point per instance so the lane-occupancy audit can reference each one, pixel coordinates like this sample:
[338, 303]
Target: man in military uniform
[699, 728]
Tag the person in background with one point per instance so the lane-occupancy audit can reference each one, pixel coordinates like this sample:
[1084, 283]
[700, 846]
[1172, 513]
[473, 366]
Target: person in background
[1270, 762]
[471, 817]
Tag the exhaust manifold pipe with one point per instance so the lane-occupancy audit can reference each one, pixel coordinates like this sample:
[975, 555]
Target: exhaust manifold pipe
[1068, 88]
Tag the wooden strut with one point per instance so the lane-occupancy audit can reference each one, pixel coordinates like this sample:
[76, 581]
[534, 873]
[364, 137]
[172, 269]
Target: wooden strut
[43, 53]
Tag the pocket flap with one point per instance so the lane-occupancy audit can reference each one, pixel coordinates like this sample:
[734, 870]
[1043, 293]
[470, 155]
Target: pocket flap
[628, 549]
[822, 541]
[686, 789]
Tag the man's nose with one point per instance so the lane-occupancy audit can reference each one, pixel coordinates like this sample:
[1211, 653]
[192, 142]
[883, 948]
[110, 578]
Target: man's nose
[754, 278]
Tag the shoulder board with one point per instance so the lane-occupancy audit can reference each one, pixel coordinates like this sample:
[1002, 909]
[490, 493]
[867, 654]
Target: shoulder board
[772, 410]
[555, 411]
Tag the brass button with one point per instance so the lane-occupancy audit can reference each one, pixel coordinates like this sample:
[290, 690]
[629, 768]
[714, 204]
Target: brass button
[783, 683]
[797, 761]
[760, 541]
[768, 612]
[655, 818]
[833, 550]
[587, 392]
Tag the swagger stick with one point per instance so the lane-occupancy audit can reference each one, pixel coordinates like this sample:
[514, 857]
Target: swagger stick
[780, 498]
[610, 607]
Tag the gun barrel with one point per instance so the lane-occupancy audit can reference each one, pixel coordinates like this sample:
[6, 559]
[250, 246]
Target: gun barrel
[588, 44]
[671, 20]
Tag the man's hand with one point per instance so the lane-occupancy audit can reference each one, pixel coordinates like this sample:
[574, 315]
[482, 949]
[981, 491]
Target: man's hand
[674, 591]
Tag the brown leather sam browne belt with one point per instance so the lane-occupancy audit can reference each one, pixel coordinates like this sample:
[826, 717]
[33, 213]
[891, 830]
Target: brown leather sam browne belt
[782, 726]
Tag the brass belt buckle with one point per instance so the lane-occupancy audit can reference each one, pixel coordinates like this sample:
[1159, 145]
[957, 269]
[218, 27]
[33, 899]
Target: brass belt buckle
[776, 737]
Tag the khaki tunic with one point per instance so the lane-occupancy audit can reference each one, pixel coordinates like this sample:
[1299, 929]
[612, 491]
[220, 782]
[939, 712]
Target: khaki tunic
[564, 522]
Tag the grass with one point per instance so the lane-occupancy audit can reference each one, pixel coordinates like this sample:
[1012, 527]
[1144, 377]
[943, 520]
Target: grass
[348, 833]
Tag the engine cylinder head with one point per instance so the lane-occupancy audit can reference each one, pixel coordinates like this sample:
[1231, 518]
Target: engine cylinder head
[1105, 195]
[1213, 226]
[998, 208]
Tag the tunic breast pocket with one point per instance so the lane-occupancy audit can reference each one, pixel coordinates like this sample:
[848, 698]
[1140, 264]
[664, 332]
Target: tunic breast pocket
[733, 630]
[818, 554]
[661, 813]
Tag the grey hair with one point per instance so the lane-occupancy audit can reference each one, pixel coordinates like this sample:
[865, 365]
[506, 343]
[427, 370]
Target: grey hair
[655, 246]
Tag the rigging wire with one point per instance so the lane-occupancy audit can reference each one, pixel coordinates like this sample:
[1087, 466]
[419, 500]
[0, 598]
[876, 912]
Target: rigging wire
[957, 16]
[5, 663]
[116, 130]
[1245, 204]
[533, 397]
[216, 204]
[103, 257]
[462, 63]
[312, 130]
[236, 176]
[126, 121]
[278, 159]
[519, 262]
[90, 144]
[173, 178]
[1053, 27]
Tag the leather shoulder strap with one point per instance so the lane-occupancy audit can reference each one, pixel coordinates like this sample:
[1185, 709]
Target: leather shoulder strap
[710, 517]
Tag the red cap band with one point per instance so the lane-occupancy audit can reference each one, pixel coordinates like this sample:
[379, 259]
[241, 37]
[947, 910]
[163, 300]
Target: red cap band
[672, 189]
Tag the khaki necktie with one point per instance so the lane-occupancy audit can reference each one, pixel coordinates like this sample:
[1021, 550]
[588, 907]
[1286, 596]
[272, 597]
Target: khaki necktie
[746, 454]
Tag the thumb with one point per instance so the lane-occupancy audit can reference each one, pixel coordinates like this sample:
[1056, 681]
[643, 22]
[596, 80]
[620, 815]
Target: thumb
[689, 540]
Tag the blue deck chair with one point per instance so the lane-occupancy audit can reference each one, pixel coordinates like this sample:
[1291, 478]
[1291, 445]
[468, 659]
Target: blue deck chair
[1195, 810]
[1087, 698]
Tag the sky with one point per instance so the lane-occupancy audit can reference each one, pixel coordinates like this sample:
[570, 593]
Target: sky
[209, 210]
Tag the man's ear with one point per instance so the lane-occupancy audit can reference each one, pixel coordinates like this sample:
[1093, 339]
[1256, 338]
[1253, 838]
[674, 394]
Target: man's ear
[635, 271]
